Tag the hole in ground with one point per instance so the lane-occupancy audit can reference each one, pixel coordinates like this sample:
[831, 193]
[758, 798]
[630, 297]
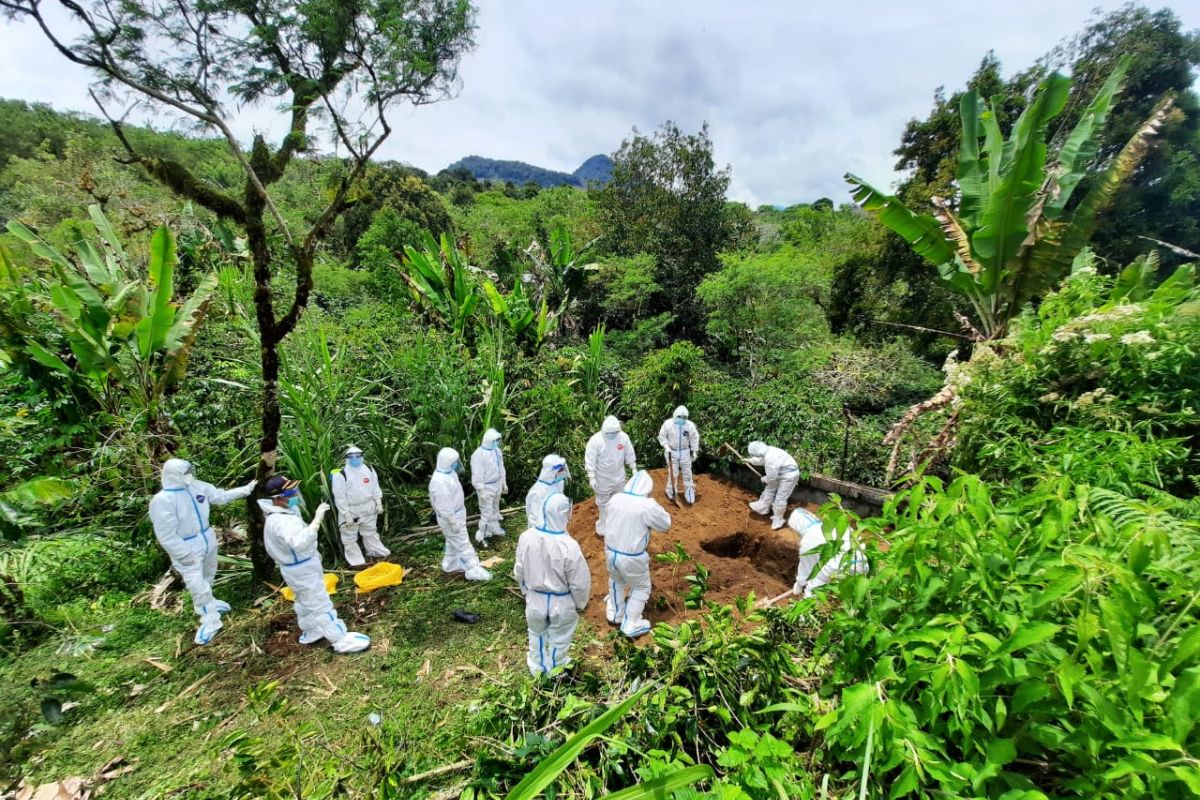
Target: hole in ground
[774, 555]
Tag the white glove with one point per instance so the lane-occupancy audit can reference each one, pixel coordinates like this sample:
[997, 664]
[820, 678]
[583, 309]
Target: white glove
[764, 479]
[322, 509]
[250, 486]
[633, 469]
[378, 506]
[504, 489]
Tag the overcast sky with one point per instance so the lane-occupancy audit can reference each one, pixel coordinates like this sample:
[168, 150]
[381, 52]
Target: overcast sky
[795, 93]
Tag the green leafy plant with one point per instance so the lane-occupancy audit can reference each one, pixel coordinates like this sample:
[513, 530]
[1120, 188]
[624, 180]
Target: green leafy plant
[1013, 233]
[697, 587]
[443, 282]
[124, 337]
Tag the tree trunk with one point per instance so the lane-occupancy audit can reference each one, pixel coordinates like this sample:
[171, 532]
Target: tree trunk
[256, 238]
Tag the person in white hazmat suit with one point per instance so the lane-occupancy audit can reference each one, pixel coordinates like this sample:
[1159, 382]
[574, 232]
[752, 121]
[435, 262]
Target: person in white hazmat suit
[556, 582]
[491, 482]
[608, 453]
[449, 506]
[179, 514]
[850, 560]
[359, 500]
[632, 515]
[549, 483]
[680, 441]
[780, 474]
[292, 543]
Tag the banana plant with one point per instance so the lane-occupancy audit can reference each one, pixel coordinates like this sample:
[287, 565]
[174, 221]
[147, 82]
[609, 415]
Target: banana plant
[442, 281]
[560, 275]
[516, 312]
[1013, 231]
[123, 336]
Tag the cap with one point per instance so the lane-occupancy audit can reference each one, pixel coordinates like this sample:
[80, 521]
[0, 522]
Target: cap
[280, 485]
[353, 450]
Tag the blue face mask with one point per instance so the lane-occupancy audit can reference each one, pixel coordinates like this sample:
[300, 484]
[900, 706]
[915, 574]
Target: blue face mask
[610, 436]
[355, 461]
[294, 501]
[680, 421]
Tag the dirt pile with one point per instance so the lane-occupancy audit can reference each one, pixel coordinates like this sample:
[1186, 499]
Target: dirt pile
[739, 549]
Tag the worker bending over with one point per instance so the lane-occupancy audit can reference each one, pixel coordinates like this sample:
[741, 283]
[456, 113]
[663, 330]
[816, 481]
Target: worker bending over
[849, 559]
[780, 474]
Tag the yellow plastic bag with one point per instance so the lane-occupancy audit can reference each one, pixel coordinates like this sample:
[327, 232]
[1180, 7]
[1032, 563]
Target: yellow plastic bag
[378, 576]
[331, 582]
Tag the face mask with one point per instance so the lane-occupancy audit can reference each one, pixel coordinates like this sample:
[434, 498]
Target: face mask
[680, 421]
[294, 501]
[355, 461]
[457, 467]
[610, 436]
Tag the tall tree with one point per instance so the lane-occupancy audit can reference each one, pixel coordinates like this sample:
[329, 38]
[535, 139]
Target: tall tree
[344, 63]
[667, 198]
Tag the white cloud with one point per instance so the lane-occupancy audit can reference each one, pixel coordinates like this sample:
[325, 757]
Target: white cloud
[795, 94]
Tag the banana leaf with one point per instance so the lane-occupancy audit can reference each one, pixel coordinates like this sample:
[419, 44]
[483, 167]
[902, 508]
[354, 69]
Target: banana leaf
[160, 314]
[921, 231]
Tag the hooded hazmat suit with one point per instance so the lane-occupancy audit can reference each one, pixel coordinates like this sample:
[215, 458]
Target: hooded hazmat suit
[490, 481]
[446, 497]
[780, 474]
[632, 514]
[850, 560]
[292, 543]
[556, 582]
[358, 499]
[179, 514]
[607, 454]
[549, 482]
[681, 441]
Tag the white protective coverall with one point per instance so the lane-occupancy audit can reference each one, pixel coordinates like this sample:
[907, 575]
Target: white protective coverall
[449, 506]
[607, 454]
[681, 441]
[549, 483]
[812, 539]
[293, 545]
[179, 514]
[490, 481]
[359, 499]
[632, 514]
[556, 582]
[780, 474]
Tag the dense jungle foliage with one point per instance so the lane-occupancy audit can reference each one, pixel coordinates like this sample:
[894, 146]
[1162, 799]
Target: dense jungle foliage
[1028, 629]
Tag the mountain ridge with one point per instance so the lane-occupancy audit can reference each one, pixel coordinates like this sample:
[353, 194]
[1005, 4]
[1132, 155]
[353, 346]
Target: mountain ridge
[596, 169]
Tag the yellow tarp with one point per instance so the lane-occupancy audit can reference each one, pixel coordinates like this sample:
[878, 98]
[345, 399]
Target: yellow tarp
[378, 576]
[331, 582]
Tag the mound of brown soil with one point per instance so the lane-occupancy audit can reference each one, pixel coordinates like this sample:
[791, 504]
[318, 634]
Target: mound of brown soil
[737, 546]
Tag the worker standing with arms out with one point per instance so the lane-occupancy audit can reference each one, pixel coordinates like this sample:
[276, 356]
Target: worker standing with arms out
[292, 543]
[607, 454]
[556, 582]
[780, 474]
[632, 514]
[490, 481]
[359, 499]
[549, 482]
[179, 514]
[681, 441]
[449, 506]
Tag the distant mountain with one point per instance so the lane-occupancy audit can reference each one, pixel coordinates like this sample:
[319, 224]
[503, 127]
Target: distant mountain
[598, 168]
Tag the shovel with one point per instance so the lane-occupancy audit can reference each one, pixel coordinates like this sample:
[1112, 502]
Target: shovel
[740, 457]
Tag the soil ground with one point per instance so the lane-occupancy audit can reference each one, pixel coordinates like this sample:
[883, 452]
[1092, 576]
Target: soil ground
[737, 546]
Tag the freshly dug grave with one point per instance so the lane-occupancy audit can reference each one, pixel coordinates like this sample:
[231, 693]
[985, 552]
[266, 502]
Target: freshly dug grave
[738, 547]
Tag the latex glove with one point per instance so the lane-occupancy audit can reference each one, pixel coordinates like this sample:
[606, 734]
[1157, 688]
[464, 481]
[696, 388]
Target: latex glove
[504, 489]
[250, 486]
[633, 469]
[764, 479]
[378, 506]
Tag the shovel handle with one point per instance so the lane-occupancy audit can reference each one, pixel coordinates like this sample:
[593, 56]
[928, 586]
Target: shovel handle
[742, 458]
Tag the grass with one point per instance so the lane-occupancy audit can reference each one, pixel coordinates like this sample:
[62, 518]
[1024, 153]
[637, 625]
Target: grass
[420, 676]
